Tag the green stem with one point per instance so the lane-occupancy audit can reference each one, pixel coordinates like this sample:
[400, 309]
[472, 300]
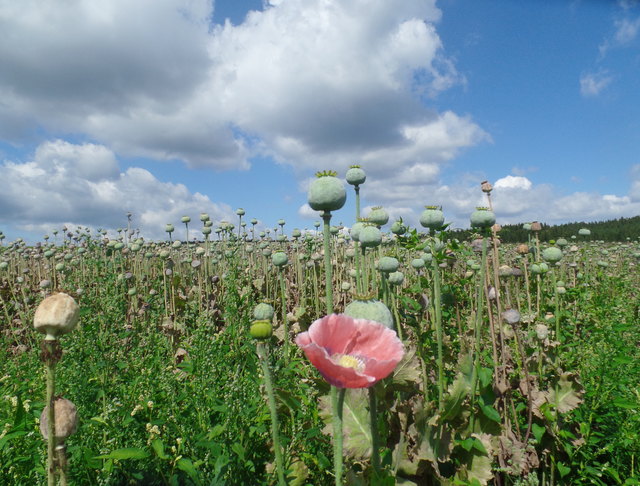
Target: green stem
[275, 435]
[337, 401]
[375, 440]
[437, 302]
[285, 323]
[476, 332]
[326, 217]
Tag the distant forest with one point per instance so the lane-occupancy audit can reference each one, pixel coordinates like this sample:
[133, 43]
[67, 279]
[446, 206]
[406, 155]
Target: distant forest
[612, 230]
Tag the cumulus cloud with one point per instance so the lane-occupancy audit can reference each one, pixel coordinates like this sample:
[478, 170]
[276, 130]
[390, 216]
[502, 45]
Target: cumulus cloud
[592, 84]
[306, 82]
[83, 184]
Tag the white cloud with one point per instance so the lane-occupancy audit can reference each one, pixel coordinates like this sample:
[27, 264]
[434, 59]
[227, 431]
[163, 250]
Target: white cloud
[513, 182]
[83, 184]
[304, 81]
[592, 84]
[626, 30]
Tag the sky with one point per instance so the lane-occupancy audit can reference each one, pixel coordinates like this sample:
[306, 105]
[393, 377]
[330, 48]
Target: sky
[175, 108]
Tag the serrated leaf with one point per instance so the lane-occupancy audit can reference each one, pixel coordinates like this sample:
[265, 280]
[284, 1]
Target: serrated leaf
[567, 394]
[457, 393]
[356, 423]
[125, 453]
[408, 371]
[298, 473]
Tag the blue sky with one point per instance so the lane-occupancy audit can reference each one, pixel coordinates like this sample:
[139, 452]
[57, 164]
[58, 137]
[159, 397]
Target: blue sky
[182, 107]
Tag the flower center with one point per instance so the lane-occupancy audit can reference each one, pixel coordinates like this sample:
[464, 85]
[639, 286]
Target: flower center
[348, 361]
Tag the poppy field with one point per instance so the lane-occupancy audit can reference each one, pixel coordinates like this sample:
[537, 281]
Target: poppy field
[375, 354]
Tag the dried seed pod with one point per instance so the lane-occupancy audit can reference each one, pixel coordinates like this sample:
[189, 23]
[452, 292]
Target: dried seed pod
[66, 419]
[56, 315]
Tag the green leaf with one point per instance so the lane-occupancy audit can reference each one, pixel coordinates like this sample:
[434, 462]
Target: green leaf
[158, 447]
[562, 469]
[187, 466]
[622, 403]
[538, 432]
[356, 423]
[408, 371]
[490, 412]
[125, 453]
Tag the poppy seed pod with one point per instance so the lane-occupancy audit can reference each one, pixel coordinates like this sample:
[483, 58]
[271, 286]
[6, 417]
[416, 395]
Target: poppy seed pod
[371, 310]
[326, 192]
[432, 217]
[378, 216]
[369, 237]
[56, 315]
[397, 228]
[279, 259]
[388, 264]
[552, 254]
[482, 218]
[169, 228]
[66, 419]
[396, 278]
[185, 219]
[536, 226]
[486, 186]
[417, 263]
[355, 175]
[261, 329]
[263, 311]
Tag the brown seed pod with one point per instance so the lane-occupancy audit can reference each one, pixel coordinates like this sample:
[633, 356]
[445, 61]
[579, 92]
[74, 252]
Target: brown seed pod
[56, 315]
[66, 419]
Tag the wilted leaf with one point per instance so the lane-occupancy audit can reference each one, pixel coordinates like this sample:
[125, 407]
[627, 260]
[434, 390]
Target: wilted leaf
[298, 474]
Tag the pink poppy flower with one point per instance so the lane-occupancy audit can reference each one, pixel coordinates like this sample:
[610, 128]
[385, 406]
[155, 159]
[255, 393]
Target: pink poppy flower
[351, 353]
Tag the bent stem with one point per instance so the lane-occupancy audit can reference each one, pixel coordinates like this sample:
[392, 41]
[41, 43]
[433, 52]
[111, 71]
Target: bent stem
[275, 435]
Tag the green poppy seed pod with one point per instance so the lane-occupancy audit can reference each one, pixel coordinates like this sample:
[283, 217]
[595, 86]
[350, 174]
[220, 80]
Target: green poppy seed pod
[353, 273]
[185, 219]
[378, 216]
[200, 251]
[355, 230]
[135, 247]
[372, 310]
[355, 175]
[56, 315]
[204, 217]
[482, 218]
[240, 212]
[369, 236]
[169, 228]
[334, 230]
[48, 253]
[326, 193]
[296, 233]
[552, 254]
[164, 254]
[526, 226]
[59, 267]
[584, 232]
[282, 222]
[263, 311]
[261, 329]
[66, 416]
[345, 286]
[177, 244]
[279, 259]
[396, 278]
[397, 228]
[417, 263]
[562, 242]
[388, 264]
[4, 265]
[206, 230]
[432, 217]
